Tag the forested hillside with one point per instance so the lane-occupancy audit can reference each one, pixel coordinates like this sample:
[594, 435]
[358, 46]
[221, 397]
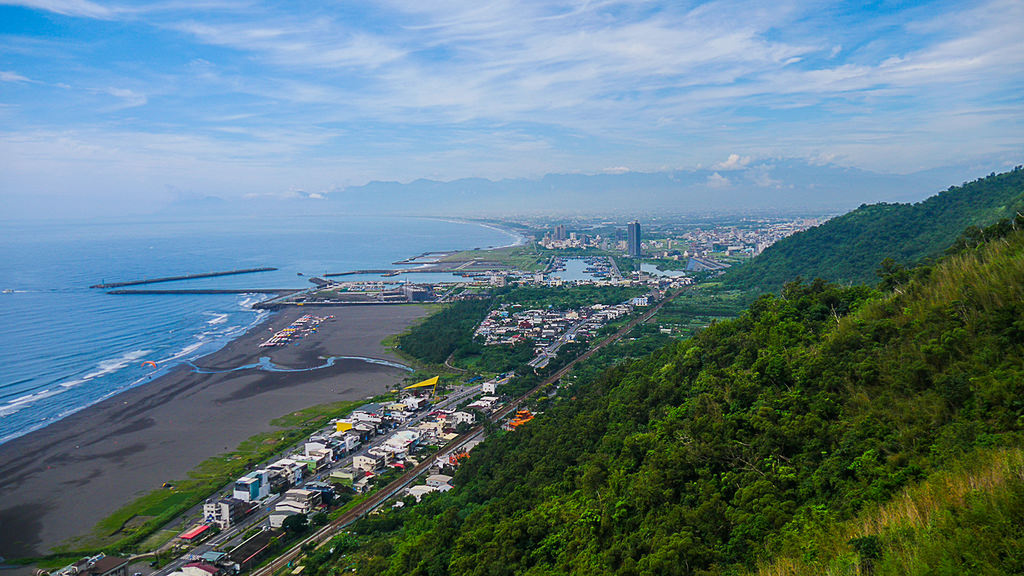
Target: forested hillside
[753, 441]
[849, 248]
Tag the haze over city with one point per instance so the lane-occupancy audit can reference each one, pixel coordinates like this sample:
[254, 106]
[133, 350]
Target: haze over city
[118, 107]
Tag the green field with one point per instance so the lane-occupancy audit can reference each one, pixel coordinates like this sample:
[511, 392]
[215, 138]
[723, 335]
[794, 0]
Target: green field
[528, 257]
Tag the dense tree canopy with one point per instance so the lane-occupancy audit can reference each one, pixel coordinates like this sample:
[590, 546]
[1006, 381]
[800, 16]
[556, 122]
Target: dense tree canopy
[849, 248]
[714, 453]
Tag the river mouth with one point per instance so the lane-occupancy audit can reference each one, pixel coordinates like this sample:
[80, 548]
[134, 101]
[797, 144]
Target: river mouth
[267, 365]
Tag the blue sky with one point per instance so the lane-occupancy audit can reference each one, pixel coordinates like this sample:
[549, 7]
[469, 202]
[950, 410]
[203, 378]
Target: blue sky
[114, 103]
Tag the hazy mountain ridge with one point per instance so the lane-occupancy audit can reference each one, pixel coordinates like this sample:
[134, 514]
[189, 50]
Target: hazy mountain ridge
[849, 248]
[792, 185]
[778, 186]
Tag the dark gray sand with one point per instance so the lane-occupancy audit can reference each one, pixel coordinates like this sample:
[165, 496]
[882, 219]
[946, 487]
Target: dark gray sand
[58, 482]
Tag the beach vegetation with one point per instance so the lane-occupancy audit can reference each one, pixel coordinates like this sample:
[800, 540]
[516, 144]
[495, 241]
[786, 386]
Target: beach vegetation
[438, 336]
[134, 526]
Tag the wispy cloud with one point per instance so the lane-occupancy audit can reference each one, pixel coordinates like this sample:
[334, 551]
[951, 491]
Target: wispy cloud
[8, 76]
[128, 98]
[309, 44]
[78, 8]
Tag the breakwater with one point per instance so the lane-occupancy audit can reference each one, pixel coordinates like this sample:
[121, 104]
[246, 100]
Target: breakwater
[184, 277]
[276, 303]
[211, 291]
[371, 271]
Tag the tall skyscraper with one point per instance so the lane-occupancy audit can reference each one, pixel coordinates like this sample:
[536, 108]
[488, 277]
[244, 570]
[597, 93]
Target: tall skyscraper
[633, 239]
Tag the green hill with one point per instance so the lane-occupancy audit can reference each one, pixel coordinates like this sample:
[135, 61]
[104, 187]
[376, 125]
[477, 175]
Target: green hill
[760, 442]
[849, 248]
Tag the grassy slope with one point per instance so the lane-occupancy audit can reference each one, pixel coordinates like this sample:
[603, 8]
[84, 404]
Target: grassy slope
[849, 248]
[961, 520]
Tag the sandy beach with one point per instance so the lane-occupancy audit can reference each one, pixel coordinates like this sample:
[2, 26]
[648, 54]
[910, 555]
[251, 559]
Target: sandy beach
[58, 482]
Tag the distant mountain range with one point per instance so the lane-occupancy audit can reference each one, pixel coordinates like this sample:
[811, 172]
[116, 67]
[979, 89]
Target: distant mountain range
[786, 185]
[737, 185]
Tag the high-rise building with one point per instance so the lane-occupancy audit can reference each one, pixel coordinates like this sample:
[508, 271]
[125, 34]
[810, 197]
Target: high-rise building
[559, 232]
[633, 239]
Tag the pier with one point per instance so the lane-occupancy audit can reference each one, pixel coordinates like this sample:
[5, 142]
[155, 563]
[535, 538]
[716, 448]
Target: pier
[185, 277]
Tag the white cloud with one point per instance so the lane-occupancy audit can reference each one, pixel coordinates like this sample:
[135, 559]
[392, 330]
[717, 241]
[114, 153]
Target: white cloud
[734, 162]
[761, 175]
[716, 180]
[822, 158]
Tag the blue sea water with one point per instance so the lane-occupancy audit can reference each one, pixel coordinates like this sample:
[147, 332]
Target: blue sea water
[64, 346]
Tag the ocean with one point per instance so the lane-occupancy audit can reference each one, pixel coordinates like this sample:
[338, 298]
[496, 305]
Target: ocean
[64, 346]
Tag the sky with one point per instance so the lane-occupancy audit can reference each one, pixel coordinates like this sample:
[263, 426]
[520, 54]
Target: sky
[130, 105]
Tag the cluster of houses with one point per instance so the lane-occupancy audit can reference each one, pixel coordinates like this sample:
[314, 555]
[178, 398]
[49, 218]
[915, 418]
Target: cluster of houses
[437, 428]
[318, 453]
[511, 324]
[345, 436]
[293, 476]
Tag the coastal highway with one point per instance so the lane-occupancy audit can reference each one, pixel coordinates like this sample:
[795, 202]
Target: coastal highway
[377, 498]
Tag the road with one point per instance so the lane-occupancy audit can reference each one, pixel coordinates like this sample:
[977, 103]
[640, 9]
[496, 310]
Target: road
[542, 359]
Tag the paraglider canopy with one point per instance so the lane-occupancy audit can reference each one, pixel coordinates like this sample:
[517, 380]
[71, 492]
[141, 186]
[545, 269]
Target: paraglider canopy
[150, 363]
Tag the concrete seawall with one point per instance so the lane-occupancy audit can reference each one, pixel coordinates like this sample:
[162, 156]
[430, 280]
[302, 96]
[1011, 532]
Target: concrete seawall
[185, 277]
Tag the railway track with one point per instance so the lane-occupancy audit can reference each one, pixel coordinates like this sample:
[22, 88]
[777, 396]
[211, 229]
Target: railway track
[324, 534]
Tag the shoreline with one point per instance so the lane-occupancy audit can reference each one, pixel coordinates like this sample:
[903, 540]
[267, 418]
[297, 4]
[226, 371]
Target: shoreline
[261, 316]
[518, 239]
[59, 481]
[46, 398]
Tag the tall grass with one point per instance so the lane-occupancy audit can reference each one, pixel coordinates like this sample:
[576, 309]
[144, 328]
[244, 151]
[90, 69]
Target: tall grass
[921, 527]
